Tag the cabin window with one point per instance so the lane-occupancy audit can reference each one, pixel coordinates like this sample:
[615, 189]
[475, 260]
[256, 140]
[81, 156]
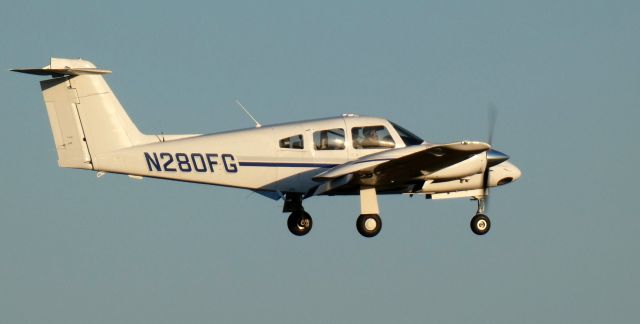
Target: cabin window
[372, 137]
[293, 142]
[408, 137]
[329, 139]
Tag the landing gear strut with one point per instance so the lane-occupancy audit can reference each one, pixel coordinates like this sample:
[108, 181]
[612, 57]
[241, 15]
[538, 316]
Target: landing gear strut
[369, 223]
[480, 223]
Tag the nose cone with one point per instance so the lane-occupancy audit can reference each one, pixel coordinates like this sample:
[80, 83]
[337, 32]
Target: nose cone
[495, 157]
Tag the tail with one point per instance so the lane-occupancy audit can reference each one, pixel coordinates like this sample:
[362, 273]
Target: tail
[86, 118]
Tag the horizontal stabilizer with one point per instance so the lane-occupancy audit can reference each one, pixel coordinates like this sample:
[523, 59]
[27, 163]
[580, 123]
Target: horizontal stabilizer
[61, 66]
[60, 72]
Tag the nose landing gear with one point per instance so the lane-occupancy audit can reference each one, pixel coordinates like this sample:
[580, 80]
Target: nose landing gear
[480, 223]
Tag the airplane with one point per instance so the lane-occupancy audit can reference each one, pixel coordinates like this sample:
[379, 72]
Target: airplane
[343, 155]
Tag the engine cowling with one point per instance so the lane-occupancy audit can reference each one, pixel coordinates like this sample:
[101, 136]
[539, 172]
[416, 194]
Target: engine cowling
[466, 168]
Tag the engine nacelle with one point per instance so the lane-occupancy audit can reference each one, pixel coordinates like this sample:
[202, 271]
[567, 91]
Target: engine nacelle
[466, 168]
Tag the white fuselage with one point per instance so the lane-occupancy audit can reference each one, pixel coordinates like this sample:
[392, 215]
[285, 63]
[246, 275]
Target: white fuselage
[254, 159]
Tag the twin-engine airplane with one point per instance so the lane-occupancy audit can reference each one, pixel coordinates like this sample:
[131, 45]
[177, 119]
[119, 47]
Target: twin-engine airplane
[346, 155]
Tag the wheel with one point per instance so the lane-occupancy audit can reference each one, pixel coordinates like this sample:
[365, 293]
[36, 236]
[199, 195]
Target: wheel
[299, 223]
[369, 225]
[480, 224]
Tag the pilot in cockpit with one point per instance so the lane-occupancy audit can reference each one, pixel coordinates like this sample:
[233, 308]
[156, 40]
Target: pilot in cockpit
[370, 138]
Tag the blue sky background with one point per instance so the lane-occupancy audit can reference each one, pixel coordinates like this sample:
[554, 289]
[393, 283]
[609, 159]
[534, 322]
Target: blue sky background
[565, 76]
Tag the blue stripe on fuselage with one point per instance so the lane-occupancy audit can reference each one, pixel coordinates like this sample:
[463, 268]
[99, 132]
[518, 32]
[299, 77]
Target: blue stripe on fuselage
[287, 165]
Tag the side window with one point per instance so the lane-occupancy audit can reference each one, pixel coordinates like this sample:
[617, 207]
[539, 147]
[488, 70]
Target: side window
[293, 142]
[371, 137]
[330, 139]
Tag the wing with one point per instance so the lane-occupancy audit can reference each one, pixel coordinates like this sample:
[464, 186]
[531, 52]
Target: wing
[396, 169]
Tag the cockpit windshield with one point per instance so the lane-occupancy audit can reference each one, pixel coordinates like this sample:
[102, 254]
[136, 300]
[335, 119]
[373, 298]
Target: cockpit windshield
[408, 137]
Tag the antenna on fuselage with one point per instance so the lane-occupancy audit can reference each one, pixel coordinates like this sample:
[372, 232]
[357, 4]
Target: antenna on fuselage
[248, 114]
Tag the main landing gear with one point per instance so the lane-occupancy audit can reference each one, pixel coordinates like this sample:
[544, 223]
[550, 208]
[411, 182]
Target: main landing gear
[480, 223]
[299, 221]
[368, 223]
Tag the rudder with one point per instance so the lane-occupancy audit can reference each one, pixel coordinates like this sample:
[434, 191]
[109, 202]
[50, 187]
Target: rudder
[68, 135]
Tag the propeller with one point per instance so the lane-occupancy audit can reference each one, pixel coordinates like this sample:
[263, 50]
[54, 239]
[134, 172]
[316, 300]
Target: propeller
[492, 114]
[494, 157]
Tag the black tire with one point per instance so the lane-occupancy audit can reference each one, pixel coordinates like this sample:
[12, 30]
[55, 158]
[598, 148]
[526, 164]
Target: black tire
[480, 224]
[299, 223]
[369, 225]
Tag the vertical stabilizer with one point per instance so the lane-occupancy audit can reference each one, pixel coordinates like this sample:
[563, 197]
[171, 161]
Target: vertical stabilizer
[87, 120]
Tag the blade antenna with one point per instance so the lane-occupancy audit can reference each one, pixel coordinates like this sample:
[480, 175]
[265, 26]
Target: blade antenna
[248, 114]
